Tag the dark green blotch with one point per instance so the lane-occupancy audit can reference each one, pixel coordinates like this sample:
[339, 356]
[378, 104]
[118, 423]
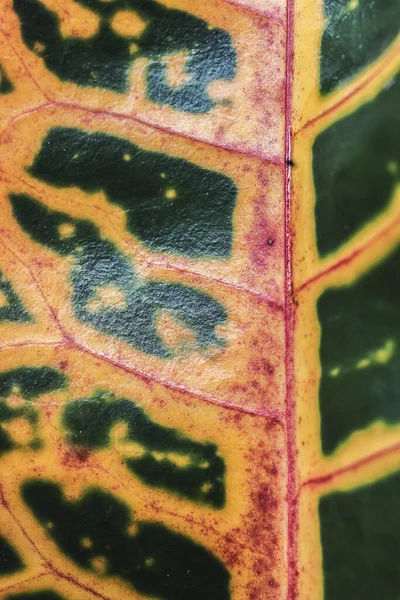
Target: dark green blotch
[154, 560]
[13, 310]
[356, 166]
[105, 60]
[356, 321]
[98, 263]
[197, 223]
[6, 87]
[88, 422]
[10, 561]
[353, 38]
[31, 382]
[40, 595]
[360, 537]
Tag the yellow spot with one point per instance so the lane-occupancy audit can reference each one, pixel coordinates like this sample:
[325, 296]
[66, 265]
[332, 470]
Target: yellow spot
[133, 48]
[392, 167]
[174, 333]
[364, 363]
[39, 47]
[15, 399]
[179, 460]
[50, 525]
[204, 464]
[132, 529]
[66, 230]
[127, 157]
[99, 564]
[128, 24]
[149, 562]
[20, 430]
[158, 455]
[170, 194]
[163, 175]
[176, 74]
[119, 440]
[334, 372]
[383, 355]
[3, 300]
[108, 296]
[206, 487]
[352, 5]
[86, 542]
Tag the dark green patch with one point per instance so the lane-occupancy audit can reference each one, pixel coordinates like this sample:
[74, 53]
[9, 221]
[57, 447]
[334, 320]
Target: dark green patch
[360, 322]
[106, 59]
[355, 37]
[41, 595]
[10, 561]
[356, 165]
[360, 540]
[197, 222]
[28, 383]
[99, 264]
[88, 422]
[6, 87]
[11, 307]
[154, 560]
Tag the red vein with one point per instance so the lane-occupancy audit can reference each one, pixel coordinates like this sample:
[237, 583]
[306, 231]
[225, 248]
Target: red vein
[354, 466]
[291, 495]
[257, 11]
[348, 259]
[47, 563]
[17, 584]
[352, 93]
[17, 54]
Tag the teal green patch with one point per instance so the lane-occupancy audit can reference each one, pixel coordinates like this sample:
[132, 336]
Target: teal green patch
[360, 353]
[100, 266]
[356, 166]
[27, 383]
[171, 205]
[40, 595]
[106, 59]
[162, 457]
[6, 87]
[360, 537]
[356, 33]
[10, 561]
[93, 532]
[11, 307]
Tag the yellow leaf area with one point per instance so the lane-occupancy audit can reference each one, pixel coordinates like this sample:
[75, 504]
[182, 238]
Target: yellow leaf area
[143, 465]
[371, 453]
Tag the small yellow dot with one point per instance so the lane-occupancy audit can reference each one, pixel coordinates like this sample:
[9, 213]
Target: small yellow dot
[170, 194]
[163, 175]
[86, 542]
[127, 157]
[66, 230]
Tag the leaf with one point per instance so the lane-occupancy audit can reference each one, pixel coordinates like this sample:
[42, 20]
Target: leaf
[360, 540]
[155, 33]
[356, 33]
[360, 341]
[354, 182]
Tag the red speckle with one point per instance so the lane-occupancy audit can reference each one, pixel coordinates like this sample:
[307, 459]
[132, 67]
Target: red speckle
[76, 457]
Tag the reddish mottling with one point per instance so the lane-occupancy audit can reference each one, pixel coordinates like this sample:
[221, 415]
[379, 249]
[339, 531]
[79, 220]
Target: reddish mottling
[76, 457]
[62, 365]
[272, 583]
